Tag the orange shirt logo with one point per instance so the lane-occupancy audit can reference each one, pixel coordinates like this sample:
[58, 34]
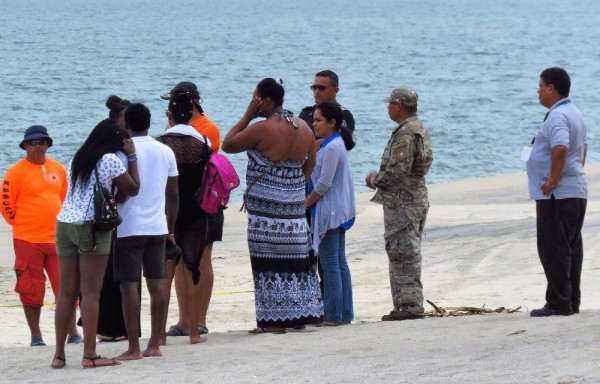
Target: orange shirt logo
[53, 178]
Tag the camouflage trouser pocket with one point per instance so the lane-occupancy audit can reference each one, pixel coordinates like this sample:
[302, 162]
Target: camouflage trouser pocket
[404, 248]
[398, 218]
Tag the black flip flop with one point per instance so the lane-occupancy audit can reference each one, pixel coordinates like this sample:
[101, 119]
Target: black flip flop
[59, 359]
[274, 330]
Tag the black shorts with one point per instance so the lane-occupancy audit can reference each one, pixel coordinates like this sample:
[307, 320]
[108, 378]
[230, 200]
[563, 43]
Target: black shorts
[215, 227]
[134, 252]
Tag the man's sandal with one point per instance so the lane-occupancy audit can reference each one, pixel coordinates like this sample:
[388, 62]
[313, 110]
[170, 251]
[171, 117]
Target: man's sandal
[176, 331]
[37, 342]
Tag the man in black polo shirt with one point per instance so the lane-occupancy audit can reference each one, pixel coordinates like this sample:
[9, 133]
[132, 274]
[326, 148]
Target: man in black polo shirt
[325, 89]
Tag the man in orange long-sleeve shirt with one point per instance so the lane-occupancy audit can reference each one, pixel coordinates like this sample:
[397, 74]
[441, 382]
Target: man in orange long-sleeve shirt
[33, 190]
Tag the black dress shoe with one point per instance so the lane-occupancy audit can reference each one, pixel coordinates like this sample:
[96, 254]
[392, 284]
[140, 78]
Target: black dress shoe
[545, 312]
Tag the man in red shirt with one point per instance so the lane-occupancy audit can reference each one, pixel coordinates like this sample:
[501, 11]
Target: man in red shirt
[33, 190]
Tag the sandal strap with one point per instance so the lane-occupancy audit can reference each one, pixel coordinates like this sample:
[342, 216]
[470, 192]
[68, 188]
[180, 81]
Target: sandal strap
[93, 359]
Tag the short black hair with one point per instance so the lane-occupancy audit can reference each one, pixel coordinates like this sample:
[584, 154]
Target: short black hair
[559, 78]
[137, 117]
[332, 75]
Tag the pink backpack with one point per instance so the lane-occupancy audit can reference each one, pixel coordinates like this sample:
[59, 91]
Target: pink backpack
[218, 181]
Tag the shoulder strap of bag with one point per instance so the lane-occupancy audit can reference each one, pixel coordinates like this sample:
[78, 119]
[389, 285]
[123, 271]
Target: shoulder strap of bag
[97, 185]
[206, 158]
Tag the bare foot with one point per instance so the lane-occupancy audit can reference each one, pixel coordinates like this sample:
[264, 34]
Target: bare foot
[98, 361]
[152, 352]
[162, 339]
[197, 339]
[129, 356]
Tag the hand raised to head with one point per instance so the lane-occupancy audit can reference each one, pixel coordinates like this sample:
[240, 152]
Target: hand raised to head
[253, 109]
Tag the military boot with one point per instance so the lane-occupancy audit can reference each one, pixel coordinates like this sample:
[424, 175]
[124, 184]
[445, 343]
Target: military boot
[402, 315]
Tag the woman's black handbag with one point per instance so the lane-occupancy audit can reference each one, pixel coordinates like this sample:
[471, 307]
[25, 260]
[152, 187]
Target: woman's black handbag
[106, 216]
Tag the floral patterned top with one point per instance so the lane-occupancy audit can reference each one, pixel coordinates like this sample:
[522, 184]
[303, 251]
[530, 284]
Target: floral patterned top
[78, 205]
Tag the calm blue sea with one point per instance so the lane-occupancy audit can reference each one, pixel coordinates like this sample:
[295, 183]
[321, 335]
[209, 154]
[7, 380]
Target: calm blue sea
[474, 63]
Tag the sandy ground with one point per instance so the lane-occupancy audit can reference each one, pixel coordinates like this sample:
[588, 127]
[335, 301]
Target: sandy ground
[479, 250]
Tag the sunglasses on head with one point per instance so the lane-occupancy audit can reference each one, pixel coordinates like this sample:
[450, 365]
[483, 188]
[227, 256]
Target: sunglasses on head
[319, 87]
[35, 142]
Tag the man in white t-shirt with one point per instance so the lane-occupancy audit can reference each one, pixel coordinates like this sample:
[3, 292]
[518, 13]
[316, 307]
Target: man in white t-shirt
[145, 228]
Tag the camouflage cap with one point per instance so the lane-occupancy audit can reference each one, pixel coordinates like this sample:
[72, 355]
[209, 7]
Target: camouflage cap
[404, 96]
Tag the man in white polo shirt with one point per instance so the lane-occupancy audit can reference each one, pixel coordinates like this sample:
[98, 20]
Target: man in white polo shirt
[141, 237]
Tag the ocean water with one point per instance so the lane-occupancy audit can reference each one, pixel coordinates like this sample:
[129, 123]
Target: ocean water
[474, 63]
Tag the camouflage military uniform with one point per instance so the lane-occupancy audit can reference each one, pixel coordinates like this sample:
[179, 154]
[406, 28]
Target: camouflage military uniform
[401, 190]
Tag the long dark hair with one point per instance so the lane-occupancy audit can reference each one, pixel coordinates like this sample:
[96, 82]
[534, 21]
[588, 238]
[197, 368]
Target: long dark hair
[333, 111]
[105, 138]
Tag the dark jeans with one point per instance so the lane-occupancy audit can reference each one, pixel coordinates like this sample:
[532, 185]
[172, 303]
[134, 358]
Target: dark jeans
[560, 248]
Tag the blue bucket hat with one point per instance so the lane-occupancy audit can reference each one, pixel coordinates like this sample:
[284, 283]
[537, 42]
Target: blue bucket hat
[35, 132]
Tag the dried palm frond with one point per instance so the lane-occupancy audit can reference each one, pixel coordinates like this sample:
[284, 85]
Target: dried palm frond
[465, 311]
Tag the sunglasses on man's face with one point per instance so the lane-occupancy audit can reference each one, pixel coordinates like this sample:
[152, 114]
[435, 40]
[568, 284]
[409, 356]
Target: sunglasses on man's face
[315, 87]
[35, 142]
